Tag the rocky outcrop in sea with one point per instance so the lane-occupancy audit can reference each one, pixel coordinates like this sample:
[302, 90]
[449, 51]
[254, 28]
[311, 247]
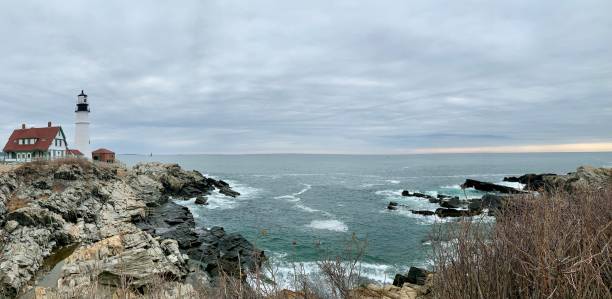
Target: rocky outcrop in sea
[121, 221]
[496, 195]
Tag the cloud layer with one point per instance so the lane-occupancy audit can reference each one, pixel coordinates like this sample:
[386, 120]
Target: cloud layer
[311, 76]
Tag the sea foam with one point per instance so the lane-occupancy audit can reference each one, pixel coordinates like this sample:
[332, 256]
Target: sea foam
[285, 272]
[294, 197]
[331, 225]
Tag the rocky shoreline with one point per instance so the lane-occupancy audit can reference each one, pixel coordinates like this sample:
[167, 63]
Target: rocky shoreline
[496, 195]
[116, 224]
[121, 221]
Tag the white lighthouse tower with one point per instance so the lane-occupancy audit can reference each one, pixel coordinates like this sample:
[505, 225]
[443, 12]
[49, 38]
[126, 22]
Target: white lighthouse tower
[81, 134]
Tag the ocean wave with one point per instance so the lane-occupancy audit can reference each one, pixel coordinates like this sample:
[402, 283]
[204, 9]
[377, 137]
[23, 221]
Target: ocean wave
[454, 187]
[422, 219]
[215, 201]
[380, 183]
[515, 185]
[390, 193]
[331, 225]
[312, 210]
[471, 175]
[218, 201]
[434, 219]
[285, 272]
[246, 192]
[294, 197]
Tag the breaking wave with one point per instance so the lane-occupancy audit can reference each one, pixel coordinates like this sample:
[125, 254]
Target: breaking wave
[331, 225]
[294, 197]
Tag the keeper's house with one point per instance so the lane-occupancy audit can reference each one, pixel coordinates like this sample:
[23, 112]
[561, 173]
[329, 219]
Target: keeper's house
[27, 144]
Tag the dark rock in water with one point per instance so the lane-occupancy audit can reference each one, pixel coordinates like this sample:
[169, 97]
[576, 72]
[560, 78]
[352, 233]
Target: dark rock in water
[423, 212]
[210, 248]
[392, 205]
[201, 200]
[451, 202]
[223, 187]
[488, 201]
[399, 280]
[444, 212]
[229, 192]
[415, 275]
[417, 194]
[489, 187]
[434, 200]
[532, 181]
[230, 254]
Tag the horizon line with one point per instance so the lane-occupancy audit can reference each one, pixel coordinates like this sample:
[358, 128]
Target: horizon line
[602, 147]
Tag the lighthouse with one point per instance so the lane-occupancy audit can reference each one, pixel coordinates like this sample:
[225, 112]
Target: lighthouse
[81, 134]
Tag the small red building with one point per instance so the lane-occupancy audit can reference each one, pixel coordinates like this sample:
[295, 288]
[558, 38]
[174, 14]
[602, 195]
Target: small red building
[75, 153]
[103, 155]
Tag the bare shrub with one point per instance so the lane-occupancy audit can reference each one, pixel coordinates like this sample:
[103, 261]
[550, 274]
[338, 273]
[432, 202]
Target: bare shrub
[342, 272]
[556, 245]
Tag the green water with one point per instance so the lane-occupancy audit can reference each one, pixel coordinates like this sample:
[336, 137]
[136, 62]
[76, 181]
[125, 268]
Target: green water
[311, 205]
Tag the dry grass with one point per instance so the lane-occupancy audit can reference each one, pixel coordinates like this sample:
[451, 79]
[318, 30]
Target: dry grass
[7, 167]
[14, 203]
[552, 246]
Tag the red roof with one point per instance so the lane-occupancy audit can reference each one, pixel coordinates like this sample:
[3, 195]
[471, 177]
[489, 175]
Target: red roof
[102, 151]
[74, 152]
[44, 136]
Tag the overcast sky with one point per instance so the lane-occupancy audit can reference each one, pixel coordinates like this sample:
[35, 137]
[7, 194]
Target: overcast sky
[311, 76]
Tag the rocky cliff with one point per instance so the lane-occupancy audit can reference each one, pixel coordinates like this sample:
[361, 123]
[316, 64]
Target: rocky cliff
[122, 219]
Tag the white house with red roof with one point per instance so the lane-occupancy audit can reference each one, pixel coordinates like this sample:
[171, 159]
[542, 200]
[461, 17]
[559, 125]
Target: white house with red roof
[47, 143]
[26, 144]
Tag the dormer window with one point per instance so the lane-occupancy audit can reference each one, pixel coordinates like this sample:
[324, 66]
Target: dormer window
[27, 141]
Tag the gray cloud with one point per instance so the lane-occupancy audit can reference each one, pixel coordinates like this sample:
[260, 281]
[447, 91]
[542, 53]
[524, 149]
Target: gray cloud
[311, 76]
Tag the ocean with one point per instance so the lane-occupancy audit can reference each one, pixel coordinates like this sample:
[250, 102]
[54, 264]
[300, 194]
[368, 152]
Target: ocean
[302, 208]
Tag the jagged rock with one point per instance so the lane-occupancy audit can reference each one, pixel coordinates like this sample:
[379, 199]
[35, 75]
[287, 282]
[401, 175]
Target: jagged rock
[532, 181]
[201, 200]
[488, 201]
[230, 254]
[76, 201]
[417, 194]
[136, 257]
[583, 177]
[374, 291]
[423, 212]
[415, 275]
[171, 221]
[444, 212]
[451, 202]
[10, 226]
[489, 187]
[68, 172]
[392, 205]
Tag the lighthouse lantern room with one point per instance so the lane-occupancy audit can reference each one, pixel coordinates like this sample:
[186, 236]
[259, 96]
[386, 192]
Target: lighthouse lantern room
[81, 134]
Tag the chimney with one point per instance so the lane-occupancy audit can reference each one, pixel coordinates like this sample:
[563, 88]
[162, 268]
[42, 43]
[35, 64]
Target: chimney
[49, 124]
[23, 126]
